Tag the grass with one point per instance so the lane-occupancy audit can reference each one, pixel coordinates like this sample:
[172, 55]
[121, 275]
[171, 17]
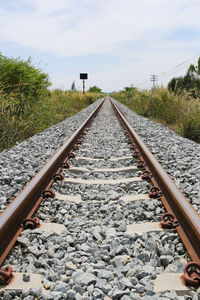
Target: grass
[179, 112]
[18, 123]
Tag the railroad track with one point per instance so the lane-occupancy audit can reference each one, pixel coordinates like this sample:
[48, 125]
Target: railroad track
[113, 221]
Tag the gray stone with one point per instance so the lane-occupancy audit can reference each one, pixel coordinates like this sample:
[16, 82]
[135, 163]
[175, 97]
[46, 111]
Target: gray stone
[122, 226]
[150, 245]
[171, 295]
[150, 293]
[126, 298]
[140, 288]
[165, 260]
[195, 297]
[97, 235]
[26, 277]
[48, 296]
[107, 288]
[117, 294]
[176, 267]
[87, 279]
[105, 258]
[135, 296]
[64, 278]
[29, 298]
[121, 250]
[126, 282]
[134, 281]
[141, 274]
[70, 266]
[79, 289]
[104, 208]
[7, 297]
[90, 288]
[144, 256]
[36, 292]
[61, 287]
[100, 283]
[117, 261]
[23, 241]
[97, 293]
[78, 297]
[85, 248]
[57, 295]
[107, 274]
[71, 294]
[146, 280]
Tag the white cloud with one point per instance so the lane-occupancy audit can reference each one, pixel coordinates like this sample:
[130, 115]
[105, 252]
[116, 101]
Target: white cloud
[118, 27]
[91, 27]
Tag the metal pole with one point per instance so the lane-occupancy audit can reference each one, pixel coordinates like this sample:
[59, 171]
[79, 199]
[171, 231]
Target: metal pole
[83, 86]
[154, 79]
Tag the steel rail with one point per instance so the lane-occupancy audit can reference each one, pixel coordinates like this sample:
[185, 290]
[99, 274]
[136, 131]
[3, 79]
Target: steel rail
[26, 203]
[173, 200]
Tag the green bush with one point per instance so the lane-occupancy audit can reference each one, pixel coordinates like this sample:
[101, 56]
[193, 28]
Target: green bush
[191, 122]
[27, 106]
[94, 89]
[21, 83]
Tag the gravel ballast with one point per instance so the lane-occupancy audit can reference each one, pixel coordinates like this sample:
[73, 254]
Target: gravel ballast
[84, 262]
[179, 156]
[20, 163]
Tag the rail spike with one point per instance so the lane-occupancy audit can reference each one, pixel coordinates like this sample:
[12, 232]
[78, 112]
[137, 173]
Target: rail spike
[75, 147]
[6, 275]
[58, 177]
[146, 175]
[136, 154]
[191, 274]
[71, 155]
[169, 221]
[141, 164]
[79, 142]
[65, 165]
[30, 223]
[48, 194]
[155, 192]
[133, 146]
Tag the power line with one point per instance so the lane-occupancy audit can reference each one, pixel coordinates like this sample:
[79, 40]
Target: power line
[171, 69]
[179, 64]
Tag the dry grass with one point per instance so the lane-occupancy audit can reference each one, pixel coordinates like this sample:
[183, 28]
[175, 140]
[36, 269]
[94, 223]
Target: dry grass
[18, 123]
[179, 112]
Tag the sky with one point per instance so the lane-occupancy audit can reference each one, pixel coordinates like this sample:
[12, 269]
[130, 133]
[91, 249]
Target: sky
[118, 43]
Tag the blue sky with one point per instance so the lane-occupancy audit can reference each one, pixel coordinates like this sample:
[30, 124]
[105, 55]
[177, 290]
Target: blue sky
[118, 42]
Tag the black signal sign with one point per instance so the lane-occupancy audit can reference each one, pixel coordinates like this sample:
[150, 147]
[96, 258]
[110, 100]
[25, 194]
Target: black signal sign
[83, 76]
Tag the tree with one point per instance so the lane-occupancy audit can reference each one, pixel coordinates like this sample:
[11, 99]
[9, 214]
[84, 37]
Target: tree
[94, 89]
[21, 81]
[130, 89]
[73, 87]
[190, 82]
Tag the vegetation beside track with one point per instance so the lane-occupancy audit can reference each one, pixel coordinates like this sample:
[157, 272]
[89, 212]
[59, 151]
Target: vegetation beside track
[27, 106]
[16, 126]
[180, 112]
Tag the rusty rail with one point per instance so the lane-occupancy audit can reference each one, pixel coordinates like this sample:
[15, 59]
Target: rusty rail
[26, 203]
[172, 198]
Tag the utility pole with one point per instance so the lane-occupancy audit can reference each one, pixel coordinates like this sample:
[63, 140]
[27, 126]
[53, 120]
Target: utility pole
[154, 78]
